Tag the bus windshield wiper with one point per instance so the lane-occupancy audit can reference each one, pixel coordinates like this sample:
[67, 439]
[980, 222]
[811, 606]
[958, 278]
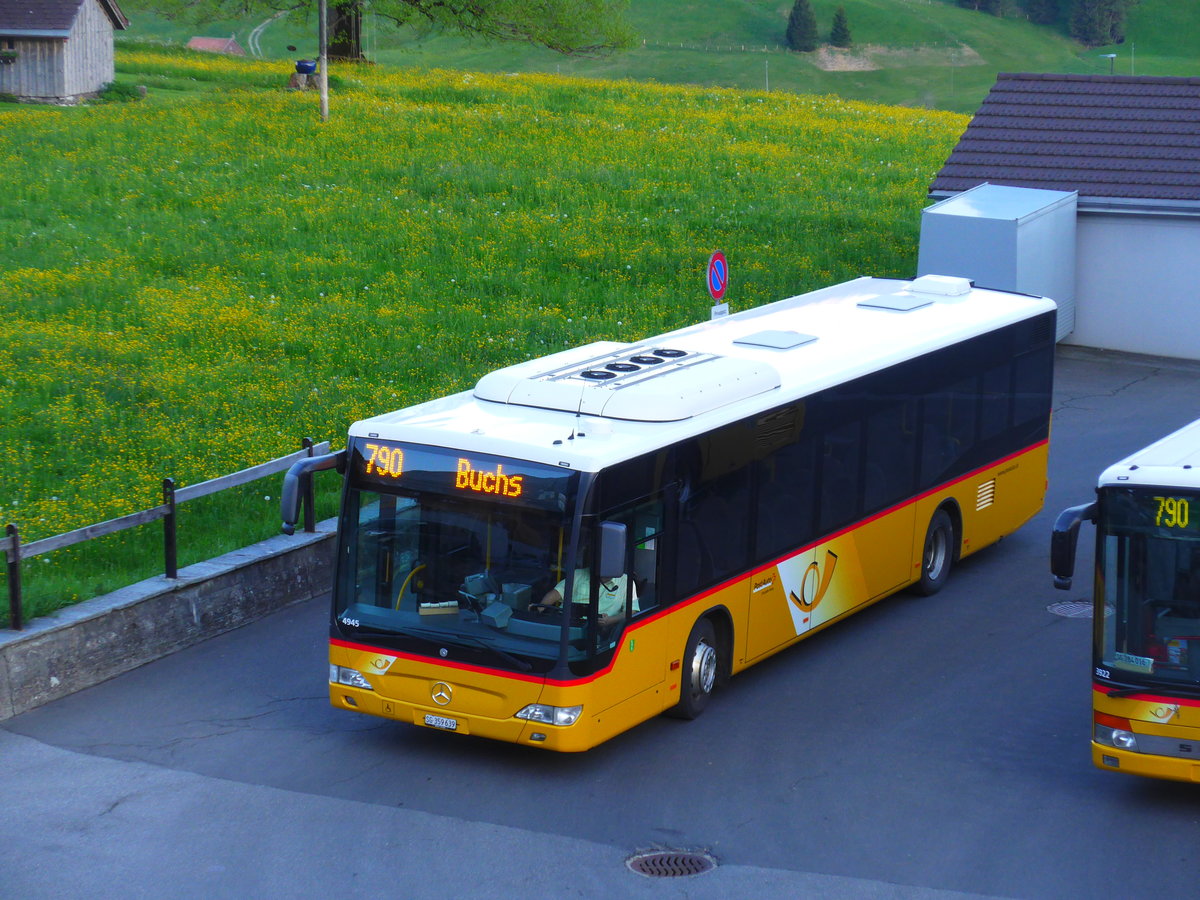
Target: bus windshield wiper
[1117, 693]
[469, 640]
[369, 629]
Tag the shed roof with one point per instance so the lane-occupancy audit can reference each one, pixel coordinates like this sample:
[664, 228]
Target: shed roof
[51, 18]
[1109, 137]
[217, 45]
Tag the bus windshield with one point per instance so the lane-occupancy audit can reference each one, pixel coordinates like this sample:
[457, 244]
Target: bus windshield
[1149, 559]
[433, 554]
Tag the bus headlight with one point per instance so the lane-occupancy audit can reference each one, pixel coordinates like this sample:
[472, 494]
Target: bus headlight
[1124, 740]
[550, 715]
[1116, 737]
[348, 676]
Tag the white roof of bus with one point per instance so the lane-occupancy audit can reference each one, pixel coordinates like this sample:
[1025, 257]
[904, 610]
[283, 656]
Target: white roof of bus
[557, 410]
[1173, 461]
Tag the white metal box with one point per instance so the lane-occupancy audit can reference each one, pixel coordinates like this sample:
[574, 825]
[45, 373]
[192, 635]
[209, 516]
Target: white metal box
[1007, 238]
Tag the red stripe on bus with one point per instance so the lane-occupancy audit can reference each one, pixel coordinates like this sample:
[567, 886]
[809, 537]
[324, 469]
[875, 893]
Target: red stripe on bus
[886, 512]
[449, 664]
[467, 667]
[1146, 696]
[698, 598]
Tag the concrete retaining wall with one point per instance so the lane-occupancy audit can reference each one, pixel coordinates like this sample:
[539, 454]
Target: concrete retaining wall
[98, 639]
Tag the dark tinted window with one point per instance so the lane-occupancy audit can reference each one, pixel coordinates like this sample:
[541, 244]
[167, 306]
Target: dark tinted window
[763, 488]
[715, 507]
[1032, 380]
[786, 498]
[995, 404]
[841, 475]
[891, 453]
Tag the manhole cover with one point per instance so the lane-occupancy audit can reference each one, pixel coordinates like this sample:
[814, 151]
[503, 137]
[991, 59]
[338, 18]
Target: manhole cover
[1071, 609]
[671, 863]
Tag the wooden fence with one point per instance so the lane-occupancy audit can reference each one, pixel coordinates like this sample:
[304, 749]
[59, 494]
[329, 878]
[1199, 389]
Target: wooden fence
[15, 551]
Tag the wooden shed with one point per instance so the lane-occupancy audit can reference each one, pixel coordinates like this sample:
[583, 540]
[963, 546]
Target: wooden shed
[1129, 147]
[57, 51]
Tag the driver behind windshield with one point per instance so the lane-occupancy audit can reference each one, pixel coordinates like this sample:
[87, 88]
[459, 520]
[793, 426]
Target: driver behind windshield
[611, 596]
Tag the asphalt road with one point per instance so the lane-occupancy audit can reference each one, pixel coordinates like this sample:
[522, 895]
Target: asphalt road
[928, 747]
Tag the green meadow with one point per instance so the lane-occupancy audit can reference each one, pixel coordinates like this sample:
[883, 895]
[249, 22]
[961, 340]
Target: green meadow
[195, 281]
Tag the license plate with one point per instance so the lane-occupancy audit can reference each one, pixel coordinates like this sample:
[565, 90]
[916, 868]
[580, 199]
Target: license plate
[441, 722]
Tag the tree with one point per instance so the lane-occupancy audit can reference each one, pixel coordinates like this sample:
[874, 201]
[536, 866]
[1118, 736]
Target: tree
[344, 26]
[1097, 22]
[802, 27]
[1043, 12]
[1006, 8]
[579, 27]
[1085, 23]
[839, 35]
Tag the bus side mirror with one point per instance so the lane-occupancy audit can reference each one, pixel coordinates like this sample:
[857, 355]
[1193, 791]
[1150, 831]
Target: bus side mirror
[1063, 541]
[612, 550]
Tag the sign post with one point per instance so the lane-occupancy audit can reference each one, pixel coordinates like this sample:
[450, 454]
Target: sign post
[717, 280]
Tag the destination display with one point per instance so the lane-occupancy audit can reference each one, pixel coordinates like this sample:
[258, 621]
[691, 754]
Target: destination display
[1153, 510]
[1172, 512]
[390, 466]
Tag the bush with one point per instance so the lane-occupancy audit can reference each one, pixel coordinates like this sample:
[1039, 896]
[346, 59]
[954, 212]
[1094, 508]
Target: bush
[119, 92]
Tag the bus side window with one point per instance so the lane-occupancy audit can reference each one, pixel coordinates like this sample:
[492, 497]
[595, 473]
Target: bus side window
[938, 448]
[786, 498]
[1032, 381]
[714, 507]
[645, 574]
[643, 524]
[891, 454]
[840, 479]
[963, 414]
[714, 537]
[995, 414]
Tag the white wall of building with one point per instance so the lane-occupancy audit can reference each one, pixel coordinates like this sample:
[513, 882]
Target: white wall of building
[1138, 284]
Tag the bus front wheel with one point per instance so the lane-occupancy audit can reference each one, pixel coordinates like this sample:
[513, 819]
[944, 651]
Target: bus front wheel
[937, 555]
[699, 677]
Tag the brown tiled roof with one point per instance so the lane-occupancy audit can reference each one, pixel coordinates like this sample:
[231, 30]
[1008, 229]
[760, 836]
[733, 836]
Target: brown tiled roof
[1105, 136]
[39, 16]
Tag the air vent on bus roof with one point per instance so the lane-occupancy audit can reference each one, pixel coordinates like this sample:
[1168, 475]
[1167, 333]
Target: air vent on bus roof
[921, 292]
[941, 285]
[776, 340]
[640, 383]
[895, 302]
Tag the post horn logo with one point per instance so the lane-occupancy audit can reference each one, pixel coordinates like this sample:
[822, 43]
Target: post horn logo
[815, 583]
[442, 693]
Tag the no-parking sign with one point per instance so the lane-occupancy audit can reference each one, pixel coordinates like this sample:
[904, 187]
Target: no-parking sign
[718, 275]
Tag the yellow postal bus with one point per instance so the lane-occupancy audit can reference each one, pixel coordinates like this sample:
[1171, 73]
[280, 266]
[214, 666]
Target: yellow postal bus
[586, 540]
[1146, 595]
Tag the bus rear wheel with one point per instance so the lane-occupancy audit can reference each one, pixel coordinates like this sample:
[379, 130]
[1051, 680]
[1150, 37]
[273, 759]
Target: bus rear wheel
[700, 667]
[937, 556]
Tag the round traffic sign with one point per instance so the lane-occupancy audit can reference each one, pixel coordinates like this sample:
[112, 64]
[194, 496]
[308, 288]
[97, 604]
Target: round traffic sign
[718, 275]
